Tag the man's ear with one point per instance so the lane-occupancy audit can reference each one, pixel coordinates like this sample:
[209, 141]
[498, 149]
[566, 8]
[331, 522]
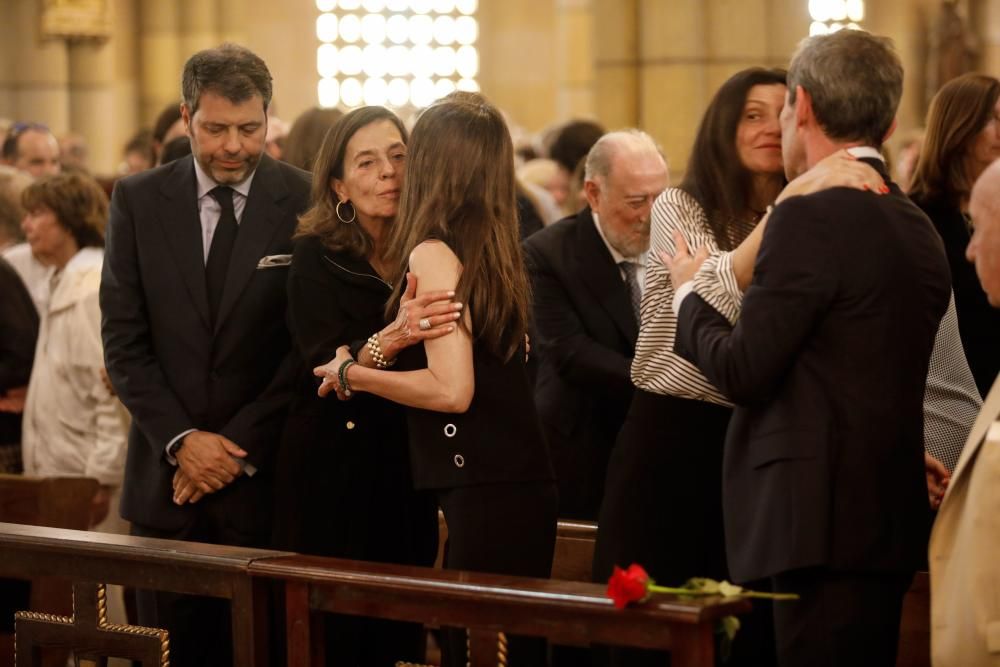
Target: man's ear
[803, 107]
[186, 117]
[592, 191]
[890, 131]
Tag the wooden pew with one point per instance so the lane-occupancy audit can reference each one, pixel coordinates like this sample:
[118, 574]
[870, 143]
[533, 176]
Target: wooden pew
[58, 502]
[180, 567]
[562, 611]
[574, 551]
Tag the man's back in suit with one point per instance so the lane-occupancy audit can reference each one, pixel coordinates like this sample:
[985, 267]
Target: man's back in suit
[823, 479]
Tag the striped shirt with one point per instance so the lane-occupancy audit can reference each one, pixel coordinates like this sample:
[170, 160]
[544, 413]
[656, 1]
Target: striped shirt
[951, 400]
[655, 367]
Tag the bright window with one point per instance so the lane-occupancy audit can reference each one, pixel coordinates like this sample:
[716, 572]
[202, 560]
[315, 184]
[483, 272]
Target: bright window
[832, 15]
[397, 53]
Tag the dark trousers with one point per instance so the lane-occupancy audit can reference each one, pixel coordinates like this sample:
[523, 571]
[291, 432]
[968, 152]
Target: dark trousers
[200, 627]
[507, 528]
[662, 509]
[843, 619]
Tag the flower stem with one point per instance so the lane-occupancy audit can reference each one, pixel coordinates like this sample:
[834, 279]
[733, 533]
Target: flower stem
[653, 588]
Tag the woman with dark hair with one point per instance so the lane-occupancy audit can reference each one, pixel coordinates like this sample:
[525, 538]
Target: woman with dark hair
[474, 434]
[343, 476]
[307, 133]
[663, 498]
[961, 140]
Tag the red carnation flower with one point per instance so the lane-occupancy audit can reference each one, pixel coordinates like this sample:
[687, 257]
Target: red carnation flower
[629, 585]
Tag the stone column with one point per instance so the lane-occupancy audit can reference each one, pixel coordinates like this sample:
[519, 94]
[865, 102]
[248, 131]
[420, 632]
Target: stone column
[41, 73]
[231, 19]
[92, 100]
[688, 48]
[159, 48]
[616, 62]
[125, 82]
[517, 59]
[575, 37]
[198, 26]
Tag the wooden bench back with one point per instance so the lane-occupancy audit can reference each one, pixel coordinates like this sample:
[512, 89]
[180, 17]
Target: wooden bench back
[56, 502]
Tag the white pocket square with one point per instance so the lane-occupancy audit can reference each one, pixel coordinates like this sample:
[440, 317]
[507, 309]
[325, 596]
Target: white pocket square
[272, 261]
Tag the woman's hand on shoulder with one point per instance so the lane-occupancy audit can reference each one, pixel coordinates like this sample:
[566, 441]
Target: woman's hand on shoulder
[838, 170]
[420, 318]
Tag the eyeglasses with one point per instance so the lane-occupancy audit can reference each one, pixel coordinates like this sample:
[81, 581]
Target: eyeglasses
[15, 131]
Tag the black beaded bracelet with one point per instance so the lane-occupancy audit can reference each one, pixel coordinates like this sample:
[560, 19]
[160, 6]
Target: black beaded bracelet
[342, 375]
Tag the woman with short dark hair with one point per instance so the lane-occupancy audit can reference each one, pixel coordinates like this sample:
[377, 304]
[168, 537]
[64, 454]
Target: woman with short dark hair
[961, 140]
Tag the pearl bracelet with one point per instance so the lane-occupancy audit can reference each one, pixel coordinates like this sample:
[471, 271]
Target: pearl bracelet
[375, 349]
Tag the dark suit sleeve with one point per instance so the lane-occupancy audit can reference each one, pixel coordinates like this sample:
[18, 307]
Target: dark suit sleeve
[562, 338]
[793, 286]
[257, 426]
[132, 364]
[18, 330]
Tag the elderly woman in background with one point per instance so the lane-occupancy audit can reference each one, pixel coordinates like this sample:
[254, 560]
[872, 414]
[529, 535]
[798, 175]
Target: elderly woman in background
[343, 481]
[962, 138]
[73, 425]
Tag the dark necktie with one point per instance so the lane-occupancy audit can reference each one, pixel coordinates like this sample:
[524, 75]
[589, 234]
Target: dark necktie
[222, 247]
[632, 282]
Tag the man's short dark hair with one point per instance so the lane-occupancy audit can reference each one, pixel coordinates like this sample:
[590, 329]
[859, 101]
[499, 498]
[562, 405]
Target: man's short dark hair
[855, 80]
[232, 71]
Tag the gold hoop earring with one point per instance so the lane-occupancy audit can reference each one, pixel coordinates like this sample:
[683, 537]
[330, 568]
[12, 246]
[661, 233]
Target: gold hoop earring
[341, 218]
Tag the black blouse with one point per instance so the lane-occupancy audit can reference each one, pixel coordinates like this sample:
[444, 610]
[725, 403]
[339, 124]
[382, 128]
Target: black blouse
[978, 321]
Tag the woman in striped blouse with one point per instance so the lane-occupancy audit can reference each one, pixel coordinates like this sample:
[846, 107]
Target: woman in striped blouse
[663, 499]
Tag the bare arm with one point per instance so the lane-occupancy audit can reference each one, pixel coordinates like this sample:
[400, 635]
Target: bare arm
[447, 384]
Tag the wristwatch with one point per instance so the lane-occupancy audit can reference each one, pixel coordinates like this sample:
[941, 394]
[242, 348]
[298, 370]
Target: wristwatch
[175, 447]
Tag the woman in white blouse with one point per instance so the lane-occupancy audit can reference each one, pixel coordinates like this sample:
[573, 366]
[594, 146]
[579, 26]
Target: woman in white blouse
[73, 425]
[663, 500]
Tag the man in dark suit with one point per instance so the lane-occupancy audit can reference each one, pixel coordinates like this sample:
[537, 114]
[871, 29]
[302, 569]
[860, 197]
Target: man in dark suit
[587, 275]
[193, 301]
[823, 478]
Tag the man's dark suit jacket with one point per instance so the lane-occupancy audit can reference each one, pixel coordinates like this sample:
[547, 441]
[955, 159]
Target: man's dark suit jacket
[827, 365]
[170, 367]
[584, 336]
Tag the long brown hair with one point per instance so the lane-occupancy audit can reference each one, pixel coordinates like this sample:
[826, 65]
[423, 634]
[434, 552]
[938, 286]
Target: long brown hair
[958, 112]
[459, 189]
[715, 175]
[321, 219]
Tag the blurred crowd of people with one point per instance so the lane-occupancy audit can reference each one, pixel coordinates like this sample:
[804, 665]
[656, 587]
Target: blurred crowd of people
[772, 370]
